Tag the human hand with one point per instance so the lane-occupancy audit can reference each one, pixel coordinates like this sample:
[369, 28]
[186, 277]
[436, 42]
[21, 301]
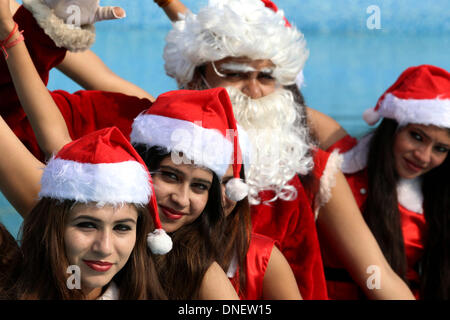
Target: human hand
[82, 12]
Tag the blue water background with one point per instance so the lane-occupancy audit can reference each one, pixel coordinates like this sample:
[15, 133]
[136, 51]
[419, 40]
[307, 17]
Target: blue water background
[349, 66]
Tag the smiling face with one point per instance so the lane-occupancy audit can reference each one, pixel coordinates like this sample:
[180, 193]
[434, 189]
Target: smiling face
[99, 241]
[182, 193]
[252, 77]
[419, 148]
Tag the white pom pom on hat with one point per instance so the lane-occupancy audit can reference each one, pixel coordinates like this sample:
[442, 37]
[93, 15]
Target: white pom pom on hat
[420, 95]
[371, 116]
[236, 189]
[159, 242]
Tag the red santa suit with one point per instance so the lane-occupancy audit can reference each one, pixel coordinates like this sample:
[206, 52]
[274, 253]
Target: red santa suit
[256, 261]
[292, 223]
[84, 111]
[413, 224]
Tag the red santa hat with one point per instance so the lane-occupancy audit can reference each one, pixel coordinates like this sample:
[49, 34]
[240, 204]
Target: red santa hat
[420, 95]
[256, 29]
[201, 126]
[104, 168]
[269, 4]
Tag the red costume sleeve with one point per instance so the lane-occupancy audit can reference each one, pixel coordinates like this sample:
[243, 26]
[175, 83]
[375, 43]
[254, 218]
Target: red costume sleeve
[344, 144]
[84, 111]
[45, 56]
[257, 259]
[87, 111]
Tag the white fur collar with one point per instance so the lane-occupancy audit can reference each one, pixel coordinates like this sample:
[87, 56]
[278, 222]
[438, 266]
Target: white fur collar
[409, 194]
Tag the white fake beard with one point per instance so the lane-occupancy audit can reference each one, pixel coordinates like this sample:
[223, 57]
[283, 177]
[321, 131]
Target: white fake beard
[280, 146]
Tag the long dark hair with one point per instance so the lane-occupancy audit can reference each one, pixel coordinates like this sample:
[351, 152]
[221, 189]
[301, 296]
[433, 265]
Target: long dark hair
[383, 218]
[10, 257]
[435, 281]
[44, 261]
[237, 239]
[195, 246]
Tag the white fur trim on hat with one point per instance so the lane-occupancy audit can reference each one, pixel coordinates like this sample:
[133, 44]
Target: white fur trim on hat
[64, 35]
[205, 147]
[328, 181]
[234, 28]
[371, 116]
[159, 242]
[422, 111]
[236, 189]
[105, 183]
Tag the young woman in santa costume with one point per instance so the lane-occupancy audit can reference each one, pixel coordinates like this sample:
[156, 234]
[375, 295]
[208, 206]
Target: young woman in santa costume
[295, 227]
[262, 271]
[88, 236]
[398, 175]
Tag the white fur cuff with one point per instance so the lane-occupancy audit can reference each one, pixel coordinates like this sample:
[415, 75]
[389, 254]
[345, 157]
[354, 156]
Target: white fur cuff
[64, 35]
[328, 180]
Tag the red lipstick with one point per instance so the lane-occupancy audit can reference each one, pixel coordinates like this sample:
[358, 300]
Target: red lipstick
[171, 214]
[99, 266]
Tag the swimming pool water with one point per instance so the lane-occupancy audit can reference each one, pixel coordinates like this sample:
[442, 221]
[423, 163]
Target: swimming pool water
[349, 66]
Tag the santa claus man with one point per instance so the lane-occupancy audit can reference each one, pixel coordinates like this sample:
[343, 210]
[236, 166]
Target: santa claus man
[250, 48]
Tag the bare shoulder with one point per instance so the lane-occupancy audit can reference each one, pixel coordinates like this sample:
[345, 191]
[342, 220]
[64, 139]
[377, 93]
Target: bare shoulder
[279, 281]
[216, 285]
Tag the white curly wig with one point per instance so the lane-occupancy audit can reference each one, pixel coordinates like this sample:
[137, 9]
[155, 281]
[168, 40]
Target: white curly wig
[234, 28]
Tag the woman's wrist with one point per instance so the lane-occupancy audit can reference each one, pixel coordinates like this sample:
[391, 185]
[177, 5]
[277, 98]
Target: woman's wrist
[5, 28]
[14, 37]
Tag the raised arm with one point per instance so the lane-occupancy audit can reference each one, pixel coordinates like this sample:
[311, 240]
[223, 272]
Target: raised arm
[20, 172]
[172, 8]
[46, 120]
[90, 72]
[279, 281]
[341, 225]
